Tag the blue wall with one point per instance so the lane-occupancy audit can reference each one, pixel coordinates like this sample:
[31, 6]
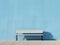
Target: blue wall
[29, 14]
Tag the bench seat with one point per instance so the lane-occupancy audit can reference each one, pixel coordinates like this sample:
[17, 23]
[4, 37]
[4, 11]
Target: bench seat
[29, 33]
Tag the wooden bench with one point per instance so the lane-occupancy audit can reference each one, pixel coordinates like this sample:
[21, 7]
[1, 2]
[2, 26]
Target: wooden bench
[29, 33]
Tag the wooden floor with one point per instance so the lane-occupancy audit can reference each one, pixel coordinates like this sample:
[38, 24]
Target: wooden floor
[29, 42]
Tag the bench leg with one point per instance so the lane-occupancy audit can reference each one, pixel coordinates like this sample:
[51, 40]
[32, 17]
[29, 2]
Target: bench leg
[16, 37]
[41, 37]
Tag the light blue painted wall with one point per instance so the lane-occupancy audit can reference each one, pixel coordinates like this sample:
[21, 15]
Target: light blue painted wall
[29, 14]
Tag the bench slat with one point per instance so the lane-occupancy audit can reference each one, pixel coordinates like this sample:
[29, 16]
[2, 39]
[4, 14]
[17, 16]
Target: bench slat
[29, 31]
